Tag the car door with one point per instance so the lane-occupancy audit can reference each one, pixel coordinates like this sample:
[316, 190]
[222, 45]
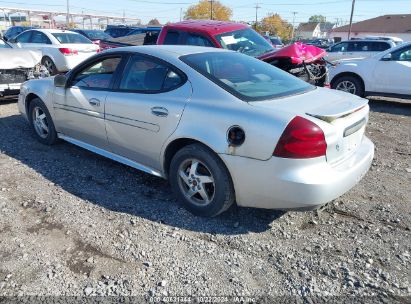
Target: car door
[337, 51]
[79, 107]
[392, 73]
[145, 108]
[39, 40]
[22, 40]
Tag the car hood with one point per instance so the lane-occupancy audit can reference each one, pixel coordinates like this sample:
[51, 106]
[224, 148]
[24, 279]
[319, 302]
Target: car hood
[19, 58]
[297, 52]
[322, 103]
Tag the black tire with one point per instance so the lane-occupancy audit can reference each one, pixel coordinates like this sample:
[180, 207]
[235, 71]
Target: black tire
[222, 186]
[49, 65]
[356, 82]
[48, 137]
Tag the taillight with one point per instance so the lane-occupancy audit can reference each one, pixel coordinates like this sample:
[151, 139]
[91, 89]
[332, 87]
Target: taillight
[68, 52]
[301, 139]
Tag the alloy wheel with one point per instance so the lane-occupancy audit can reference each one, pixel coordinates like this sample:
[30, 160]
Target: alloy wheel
[196, 182]
[40, 122]
[347, 86]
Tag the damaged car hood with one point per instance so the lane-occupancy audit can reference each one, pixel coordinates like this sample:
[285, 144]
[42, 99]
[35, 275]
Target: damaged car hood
[19, 58]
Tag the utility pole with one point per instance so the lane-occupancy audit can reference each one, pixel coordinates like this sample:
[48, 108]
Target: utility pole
[292, 33]
[68, 14]
[181, 13]
[256, 14]
[124, 16]
[352, 13]
[211, 8]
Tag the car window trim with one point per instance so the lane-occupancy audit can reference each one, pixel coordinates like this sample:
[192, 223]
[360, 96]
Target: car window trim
[87, 64]
[183, 76]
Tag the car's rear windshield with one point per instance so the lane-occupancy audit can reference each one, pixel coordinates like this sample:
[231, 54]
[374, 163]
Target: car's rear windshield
[245, 77]
[67, 38]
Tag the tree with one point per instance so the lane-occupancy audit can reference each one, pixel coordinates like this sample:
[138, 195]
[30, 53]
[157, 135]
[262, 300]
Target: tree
[202, 10]
[154, 22]
[275, 25]
[317, 18]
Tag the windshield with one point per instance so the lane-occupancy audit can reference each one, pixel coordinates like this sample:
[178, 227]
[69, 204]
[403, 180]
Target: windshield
[97, 35]
[66, 38]
[4, 45]
[245, 41]
[245, 77]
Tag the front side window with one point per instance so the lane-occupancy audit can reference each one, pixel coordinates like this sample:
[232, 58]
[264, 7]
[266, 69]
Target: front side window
[67, 38]
[245, 77]
[172, 38]
[144, 74]
[340, 47]
[38, 37]
[245, 41]
[24, 37]
[402, 55]
[97, 76]
[194, 39]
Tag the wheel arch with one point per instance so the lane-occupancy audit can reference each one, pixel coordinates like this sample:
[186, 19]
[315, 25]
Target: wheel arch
[177, 144]
[29, 98]
[343, 74]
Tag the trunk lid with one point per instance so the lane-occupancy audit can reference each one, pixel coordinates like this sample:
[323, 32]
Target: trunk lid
[340, 115]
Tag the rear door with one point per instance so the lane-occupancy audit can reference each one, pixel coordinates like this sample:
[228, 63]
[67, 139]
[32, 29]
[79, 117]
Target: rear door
[39, 40]
[394, 75]
[145, 108]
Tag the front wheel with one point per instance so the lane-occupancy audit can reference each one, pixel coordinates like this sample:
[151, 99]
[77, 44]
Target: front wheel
[41, 122]
[349, 84]
[201, 181]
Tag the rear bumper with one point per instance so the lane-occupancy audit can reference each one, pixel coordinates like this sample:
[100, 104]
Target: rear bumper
[296, 184]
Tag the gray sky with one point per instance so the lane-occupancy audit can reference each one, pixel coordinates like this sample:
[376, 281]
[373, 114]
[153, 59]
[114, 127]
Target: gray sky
[242, 9]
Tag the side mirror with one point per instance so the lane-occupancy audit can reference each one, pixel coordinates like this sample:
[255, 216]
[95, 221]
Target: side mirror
[60, 81]
[387, 57]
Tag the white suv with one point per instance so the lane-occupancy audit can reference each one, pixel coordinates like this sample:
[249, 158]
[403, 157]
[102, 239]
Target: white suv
[385, 74]
[62, 50]
[357, 49]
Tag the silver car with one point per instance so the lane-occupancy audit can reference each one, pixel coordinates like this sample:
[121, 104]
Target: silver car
[221, 126]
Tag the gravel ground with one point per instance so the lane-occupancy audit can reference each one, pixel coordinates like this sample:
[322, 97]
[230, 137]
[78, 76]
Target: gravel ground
[75, 224]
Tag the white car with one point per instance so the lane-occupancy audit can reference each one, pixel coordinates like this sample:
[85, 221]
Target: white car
[357, 49]
[385, 74]
[62, 50]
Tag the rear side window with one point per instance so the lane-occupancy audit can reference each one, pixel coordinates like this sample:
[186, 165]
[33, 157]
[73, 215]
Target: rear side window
[38, 37]
[144, 74]
[380, 46]
[172, 37]
[194, 39]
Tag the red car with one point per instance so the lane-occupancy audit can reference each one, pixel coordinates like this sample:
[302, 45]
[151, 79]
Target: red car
[303, 61]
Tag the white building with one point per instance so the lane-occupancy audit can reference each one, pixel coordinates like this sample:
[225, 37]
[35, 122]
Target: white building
[387, 25]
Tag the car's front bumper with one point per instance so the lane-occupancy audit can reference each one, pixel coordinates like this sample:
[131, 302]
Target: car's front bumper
[281, 183]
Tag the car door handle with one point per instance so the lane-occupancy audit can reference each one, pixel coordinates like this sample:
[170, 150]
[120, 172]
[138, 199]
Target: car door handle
[159, 111]
[94, 102]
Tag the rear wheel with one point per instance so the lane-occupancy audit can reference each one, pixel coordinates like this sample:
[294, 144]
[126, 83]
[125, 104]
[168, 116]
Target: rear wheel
[349, 84]
[49, 65]
[41, 122]
[201, 181]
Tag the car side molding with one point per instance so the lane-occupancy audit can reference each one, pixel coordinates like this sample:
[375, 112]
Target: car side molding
[110, 155]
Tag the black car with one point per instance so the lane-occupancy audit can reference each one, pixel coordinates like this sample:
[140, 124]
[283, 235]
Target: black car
[93, 35]
[13, 31]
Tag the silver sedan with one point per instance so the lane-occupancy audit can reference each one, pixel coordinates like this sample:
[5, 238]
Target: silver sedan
[221, 126]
